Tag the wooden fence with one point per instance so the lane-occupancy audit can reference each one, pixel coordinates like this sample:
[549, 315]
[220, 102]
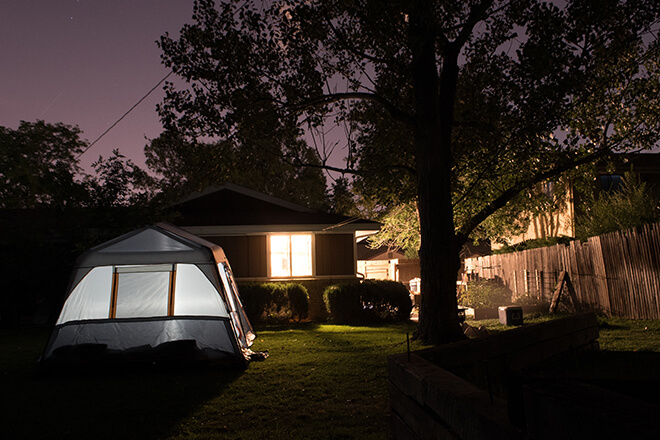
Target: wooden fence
[617, 274]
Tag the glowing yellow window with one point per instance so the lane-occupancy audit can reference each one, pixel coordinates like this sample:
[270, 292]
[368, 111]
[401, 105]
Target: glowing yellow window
[290, 255]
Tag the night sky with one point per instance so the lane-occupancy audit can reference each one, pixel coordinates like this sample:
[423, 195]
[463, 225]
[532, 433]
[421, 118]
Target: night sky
[85, 63]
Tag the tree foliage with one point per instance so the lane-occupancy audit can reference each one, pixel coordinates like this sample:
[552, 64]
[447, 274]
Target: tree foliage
[187, 166]
[38, 165]
[39, 168]
[459, 106]
[119, 182]
[399, 230]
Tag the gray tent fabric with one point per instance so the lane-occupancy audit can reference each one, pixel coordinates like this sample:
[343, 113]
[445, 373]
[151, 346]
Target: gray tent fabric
[148, 293]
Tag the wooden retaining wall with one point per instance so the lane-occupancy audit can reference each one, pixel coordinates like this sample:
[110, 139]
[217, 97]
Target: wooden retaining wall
[616, 274]
[428, 401]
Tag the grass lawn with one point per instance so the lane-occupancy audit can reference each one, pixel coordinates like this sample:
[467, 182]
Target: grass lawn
[614, 334]
[320, 382]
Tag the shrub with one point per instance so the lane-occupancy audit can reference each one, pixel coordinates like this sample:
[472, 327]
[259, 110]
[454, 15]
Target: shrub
[388, 300]
[368, 301]
[274, 303]
[485, 293]
[343, 302]
[298, 300]
[255, 298]
[277, 310]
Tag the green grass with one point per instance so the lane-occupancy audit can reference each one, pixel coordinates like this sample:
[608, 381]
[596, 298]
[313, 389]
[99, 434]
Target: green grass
[320, 382]
[614, 334]
[617, 334]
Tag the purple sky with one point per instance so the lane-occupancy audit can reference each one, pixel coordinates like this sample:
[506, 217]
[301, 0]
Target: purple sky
[85, 63]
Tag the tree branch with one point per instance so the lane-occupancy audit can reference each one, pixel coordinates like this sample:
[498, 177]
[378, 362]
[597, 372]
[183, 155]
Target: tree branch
[476, 15]
[319, 101]
[509, 194]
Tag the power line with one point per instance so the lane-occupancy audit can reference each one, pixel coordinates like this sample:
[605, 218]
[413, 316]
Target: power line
[124, 115]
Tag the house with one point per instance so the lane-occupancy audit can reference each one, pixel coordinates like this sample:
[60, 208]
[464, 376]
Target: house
[561, 220]
[557, 222]
[646, 165]
[385, 264]
[270, 239]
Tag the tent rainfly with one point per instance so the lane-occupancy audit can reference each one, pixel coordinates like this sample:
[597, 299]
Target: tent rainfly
[154, 293]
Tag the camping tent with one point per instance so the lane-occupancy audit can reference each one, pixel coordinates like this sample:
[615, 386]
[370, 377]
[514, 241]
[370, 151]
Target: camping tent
[154, 293]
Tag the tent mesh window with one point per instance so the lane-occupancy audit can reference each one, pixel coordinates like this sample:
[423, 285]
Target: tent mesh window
[141, 291]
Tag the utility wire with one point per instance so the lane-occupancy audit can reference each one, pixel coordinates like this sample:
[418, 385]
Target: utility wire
[124, 115]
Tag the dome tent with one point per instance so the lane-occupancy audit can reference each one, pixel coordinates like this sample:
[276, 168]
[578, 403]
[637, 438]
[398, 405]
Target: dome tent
[157, 293]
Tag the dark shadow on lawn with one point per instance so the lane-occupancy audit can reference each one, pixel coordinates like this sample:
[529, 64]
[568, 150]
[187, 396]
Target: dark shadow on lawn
[118, 403]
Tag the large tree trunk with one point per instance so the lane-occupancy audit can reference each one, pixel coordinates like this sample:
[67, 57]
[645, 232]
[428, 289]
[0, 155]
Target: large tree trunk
[439, 255]
[439, 252]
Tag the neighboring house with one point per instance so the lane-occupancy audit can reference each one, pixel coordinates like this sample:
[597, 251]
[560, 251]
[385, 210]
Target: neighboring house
[557, 222]
[270, 239]
[646, 165]
[561, 221]
[384, 264]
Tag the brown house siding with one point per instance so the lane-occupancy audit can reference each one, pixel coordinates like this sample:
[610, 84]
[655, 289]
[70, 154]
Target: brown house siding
[246, 254]
[335, 254]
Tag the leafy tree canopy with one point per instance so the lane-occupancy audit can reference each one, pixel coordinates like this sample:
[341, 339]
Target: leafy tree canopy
[400, 230]
[187, 166]
[119, 182]
[460, 106]
[38, 165]
[39, 168]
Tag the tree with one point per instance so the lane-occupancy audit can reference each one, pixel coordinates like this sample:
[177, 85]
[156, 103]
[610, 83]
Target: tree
[460, 106]
[188, 166]
[39, 165]
[119, 183]
[342, 199]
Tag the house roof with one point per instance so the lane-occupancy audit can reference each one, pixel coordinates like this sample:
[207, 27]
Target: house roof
[237, 209]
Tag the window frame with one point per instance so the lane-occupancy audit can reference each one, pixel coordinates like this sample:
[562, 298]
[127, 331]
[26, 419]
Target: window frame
[311, 255]
[168, 268]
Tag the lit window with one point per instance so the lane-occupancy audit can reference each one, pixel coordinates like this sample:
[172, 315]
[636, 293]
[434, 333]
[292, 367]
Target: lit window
[290, 255]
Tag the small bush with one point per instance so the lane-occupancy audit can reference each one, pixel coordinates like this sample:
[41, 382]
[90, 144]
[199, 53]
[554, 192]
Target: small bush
[277, 310]
[343, 303]
[255, 298]
[388, 300]
[368, 301]
[274, 303]
[298, 301]
[485, 293]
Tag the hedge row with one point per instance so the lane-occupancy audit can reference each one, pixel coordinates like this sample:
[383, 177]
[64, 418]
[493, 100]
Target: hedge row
[368, 301]
[274, 303]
